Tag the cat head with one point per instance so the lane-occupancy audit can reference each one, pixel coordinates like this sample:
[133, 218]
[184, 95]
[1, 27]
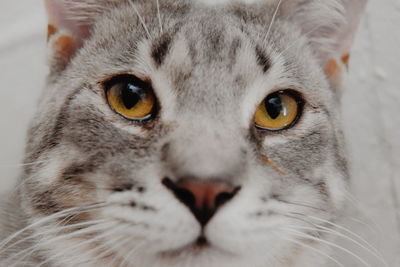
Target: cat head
[190, 131]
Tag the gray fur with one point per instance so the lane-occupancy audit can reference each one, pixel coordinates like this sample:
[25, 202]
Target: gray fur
[206, 69]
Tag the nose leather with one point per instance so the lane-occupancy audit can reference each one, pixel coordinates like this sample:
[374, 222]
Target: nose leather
[202, 197]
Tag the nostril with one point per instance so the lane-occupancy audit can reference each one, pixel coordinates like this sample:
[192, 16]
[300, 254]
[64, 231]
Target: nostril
[222, 198]
[185, 196]
[202, 197]
[182, 194]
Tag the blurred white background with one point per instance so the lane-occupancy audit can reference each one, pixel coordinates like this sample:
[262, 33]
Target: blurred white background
[371, 110]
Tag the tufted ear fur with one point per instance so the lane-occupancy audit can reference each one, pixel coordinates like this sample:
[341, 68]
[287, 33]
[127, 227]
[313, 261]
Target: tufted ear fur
[330, 26]
[70, 23]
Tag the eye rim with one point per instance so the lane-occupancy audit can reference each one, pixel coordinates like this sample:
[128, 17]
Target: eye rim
[145, 83]
[300, 101]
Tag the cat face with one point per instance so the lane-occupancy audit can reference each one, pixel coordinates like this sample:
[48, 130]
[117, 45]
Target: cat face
[187, 132]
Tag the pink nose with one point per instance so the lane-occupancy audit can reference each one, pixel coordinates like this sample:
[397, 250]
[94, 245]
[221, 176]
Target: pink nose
[203, 198]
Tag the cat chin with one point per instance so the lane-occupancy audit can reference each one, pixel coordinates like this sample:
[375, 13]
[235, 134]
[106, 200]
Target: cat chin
[205, 257]
[212, 257]
[268, 254]
[271, 254]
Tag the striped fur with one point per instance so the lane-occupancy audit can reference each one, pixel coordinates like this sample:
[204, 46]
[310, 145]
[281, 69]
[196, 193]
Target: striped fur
[90, 193]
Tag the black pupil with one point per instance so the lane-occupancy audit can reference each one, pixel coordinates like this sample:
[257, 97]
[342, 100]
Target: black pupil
[273, 105]
[131, 95]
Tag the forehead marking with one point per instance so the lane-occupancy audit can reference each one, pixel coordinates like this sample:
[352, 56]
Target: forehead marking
[262, 59]
[161, 48]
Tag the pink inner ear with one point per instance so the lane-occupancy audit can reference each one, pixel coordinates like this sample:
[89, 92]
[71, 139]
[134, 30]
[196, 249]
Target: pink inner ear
[62, 20]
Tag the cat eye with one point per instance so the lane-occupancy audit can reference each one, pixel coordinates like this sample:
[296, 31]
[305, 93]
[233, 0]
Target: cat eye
[278, 111]
[131, 97]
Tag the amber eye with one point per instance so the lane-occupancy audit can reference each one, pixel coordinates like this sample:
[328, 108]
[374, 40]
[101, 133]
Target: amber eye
[131, 97]
[278, 111]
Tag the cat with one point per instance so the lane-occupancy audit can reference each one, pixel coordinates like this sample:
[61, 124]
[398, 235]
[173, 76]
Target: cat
[186, 133]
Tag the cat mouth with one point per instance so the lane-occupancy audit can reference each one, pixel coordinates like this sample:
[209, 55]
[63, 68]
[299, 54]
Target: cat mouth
[198, 247]
[202, 241]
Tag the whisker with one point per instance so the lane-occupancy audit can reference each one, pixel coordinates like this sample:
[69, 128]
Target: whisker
[331, 231]
[310, 237]
[114, 245]
[29, 251]
[361, 208]
[302, 205]
[300, 219]
[345, 230]
[354, 235]
[373, 229]
[115, 261]
[58, 229]
[159, 16]
[272, 20]
[119, 244]
[84, 243]
[49, 218]
[140, 19]
[131, 253]
[314, 249]
[366, 243]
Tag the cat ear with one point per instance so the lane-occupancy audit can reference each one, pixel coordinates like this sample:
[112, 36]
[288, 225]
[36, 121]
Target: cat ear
[330, 26]
[70, 23]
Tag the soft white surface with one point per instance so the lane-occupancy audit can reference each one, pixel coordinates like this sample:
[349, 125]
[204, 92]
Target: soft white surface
[370, 106]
